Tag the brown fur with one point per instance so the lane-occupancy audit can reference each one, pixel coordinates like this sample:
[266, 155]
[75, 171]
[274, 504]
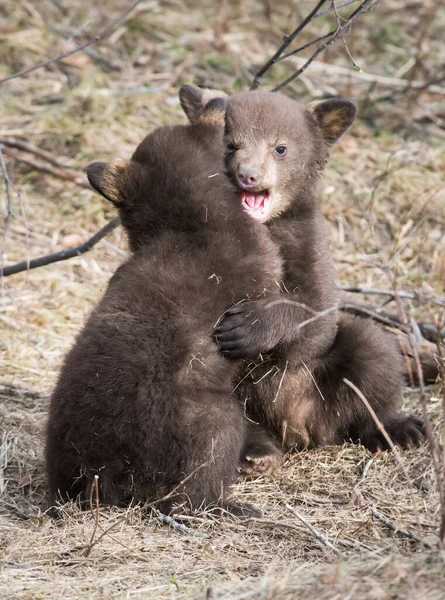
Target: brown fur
[144, 396]
[296, 387]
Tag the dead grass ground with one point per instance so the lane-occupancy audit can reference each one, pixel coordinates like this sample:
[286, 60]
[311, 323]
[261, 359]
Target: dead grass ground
[383, 197]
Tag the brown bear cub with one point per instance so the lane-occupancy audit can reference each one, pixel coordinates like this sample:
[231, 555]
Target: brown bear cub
[276, 151]
[144, 397]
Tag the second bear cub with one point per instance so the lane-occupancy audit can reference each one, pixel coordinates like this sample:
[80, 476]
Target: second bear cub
[144, 397]
[276, 151]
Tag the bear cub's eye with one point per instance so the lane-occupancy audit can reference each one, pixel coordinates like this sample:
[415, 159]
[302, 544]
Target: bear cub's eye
[281, 150]
[231, 147]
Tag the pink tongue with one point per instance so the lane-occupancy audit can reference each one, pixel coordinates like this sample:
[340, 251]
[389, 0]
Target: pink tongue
[254, 200]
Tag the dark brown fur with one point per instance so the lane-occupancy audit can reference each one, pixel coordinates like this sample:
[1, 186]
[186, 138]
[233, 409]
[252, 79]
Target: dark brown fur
[296, 388]
[144, 396]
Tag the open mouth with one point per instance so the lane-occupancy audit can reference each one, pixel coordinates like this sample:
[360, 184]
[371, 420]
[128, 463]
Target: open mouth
[257, 204]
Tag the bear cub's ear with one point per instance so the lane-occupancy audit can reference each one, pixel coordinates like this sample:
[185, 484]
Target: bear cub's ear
[333, 116]
[110, 180]
[194, 99]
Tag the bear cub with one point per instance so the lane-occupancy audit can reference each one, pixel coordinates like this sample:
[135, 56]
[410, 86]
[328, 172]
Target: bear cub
[275, 153]
[144, 398]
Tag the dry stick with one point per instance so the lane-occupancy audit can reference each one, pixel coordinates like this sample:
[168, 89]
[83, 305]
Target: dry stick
[396, 529]
[328, 10]
[151, 505]
[287, 40]
[286, 525]
[80, 47]
[339, 23]
[367, 4]
[167, 520]
[26, 265]
[356, 308]
[427, 423]
[61, 172]
[441, 366]
[414, 295]
[393, 448]
[14, 142]
[95, 513]
[319, 536]
[93, 54]
[9, 212]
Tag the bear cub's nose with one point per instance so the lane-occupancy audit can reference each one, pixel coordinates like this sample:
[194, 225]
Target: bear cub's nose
[247, 177]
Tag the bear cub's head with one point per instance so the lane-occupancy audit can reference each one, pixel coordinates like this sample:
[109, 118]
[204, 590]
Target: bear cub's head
[275, 148]
[168, 182]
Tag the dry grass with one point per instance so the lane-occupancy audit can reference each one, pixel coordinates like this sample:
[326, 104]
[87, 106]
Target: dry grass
[81, 112]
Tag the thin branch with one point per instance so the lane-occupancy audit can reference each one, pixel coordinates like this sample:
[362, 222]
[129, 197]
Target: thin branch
[391, 444]
[170, 522]
[93, 54]
[287, 40]
[441, 366]
[414, 295]
[355, 308]
[14, 142]
[9, 212]
[94, 512]
[319, 536]
[80, 47]
[330, 9]
[366, 5]
[345, 22]
[59, 171]
[396, 529]
[48, 259]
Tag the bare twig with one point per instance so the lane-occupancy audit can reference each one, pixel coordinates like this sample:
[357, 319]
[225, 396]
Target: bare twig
[287, 40]
[365, 6]
[319, 536]
[396, 529]
[80, 47]
[93, 54]
[340, 25]
[48, 259]
[9, 212]
[148, 506]
[14, 142]
[59, 171]
[391, 444]
[330, 9]
[356, 308]
[395, 83]
[94, 511]
[316, 315]
[441, 367]
[414, 295]
[167, 520]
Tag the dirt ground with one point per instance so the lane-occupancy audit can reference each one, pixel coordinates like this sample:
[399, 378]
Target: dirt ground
[383, 197]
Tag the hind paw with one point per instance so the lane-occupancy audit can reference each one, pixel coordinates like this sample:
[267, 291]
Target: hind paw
[254, 466]
[405, 432]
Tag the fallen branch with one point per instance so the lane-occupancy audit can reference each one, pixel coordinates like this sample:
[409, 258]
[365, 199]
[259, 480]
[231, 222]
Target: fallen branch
[95, 512]
[48, 259]
[59, 171]
[14, 142]
[414, 295]
[170, 522]
[80, 47]
[396, 529]
[395, 450]
[338, 71]
[319, 536]
[9, 212]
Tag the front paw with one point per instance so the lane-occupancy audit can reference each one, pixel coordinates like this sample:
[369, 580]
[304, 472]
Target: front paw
[245, 331]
